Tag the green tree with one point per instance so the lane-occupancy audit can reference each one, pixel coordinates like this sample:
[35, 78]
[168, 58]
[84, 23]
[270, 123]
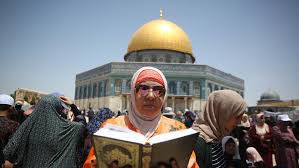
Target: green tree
[26, 98]
[33, 100]
[13, 95]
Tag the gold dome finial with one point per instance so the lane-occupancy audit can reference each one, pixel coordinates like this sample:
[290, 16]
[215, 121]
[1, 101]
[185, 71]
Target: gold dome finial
[161, 14]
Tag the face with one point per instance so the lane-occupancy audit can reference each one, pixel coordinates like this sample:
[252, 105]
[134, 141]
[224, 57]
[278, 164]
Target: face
[260, 119]
[233, 122]
[174, 164]
[149, 97]
[283, 124]
[230, 148]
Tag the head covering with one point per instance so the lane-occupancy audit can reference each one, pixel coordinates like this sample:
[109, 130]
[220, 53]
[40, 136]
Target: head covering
[19, 102]
[260, 116]
[99, 119]
[190, 115]
[6, 99]
[147, 126]
[283, 117]
[150, 75]
[261, 127]
[58, 94]
[45, 139]
[245, 121]
[220, 107]
[26, 106]
[254, 153]
[224, 141]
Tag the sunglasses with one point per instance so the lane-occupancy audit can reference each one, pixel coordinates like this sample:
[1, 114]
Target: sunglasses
[158, 91]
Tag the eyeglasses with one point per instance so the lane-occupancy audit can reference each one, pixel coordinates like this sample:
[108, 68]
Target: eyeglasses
[158, 91]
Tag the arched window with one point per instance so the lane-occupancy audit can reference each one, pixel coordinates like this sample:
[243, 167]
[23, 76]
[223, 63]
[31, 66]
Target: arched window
[196, 86]
[139, 59]
[184, 88]
[172, 87]
[161, 59]
[85, 92]
[154, 58]
[168, 58]
[182, 59]
[209, 88]
[117, 87]
[100, 89]
[80, 93]
[89, 90]
[94, 90]
[105, 87]
[76, 93]
[128, 86]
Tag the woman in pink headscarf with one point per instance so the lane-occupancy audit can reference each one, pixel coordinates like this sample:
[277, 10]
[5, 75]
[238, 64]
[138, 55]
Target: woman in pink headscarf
[254, 159]
[261, 135]
[148, 97]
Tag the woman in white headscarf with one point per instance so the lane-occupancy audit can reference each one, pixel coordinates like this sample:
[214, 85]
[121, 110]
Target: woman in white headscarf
[221, 114]
[148, 97]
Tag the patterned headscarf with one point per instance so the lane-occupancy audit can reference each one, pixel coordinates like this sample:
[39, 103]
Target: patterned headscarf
[45, 139]
[147, 126]
[221, 106]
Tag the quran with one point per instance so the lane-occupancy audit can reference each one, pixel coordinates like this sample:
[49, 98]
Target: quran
[125, 148]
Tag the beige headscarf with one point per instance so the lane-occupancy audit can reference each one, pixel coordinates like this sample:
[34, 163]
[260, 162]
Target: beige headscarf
[221, 106]
[147, 126]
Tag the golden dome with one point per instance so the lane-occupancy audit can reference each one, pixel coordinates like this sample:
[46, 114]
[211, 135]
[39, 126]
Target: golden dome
[160, 34]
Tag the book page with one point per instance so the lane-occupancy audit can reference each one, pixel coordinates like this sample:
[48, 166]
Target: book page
[120, 133]
[171, 135]
[175, 146]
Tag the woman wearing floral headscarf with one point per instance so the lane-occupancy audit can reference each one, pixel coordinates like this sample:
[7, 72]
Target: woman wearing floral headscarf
[148, 97]
[222, 112]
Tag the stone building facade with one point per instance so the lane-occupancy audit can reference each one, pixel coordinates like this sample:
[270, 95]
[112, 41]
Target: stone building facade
[164, 45]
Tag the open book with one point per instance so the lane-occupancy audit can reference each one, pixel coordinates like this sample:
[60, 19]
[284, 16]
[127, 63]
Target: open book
[123, 147]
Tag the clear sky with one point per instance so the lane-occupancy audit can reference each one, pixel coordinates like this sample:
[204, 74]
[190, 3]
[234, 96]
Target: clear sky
[44, 44]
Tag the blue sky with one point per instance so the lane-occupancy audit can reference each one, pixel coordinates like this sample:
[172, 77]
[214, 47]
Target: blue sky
[44, 44]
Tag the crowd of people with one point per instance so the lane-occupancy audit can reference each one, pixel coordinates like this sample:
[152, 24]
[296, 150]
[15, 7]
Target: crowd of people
[55, 133]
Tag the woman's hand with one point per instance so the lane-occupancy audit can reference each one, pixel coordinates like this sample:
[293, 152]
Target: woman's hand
[7, 164]
[66, 100]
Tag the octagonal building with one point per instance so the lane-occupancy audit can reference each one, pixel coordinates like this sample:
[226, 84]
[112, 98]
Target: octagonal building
[164, 45]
